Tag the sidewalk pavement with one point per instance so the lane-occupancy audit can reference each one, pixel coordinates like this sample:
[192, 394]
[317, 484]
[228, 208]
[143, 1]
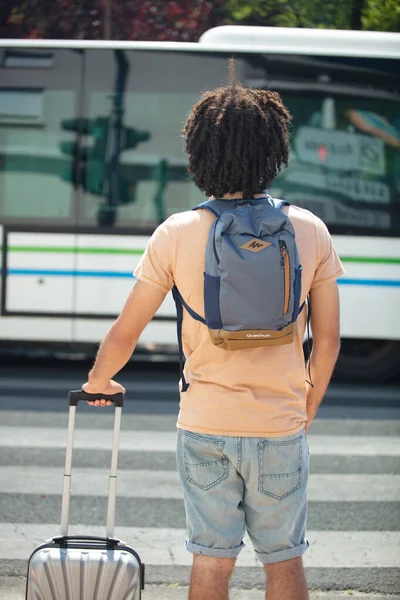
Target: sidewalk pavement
[13, 588]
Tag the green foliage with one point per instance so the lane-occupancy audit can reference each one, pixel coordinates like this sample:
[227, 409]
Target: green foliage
[382, 15]
[291, 13]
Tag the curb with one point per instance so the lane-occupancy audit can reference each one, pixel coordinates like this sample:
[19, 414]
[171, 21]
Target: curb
[13, 588]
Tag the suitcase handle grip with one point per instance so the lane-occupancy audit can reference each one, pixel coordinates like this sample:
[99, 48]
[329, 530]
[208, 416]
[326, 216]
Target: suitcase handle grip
[84, 538]
[79, 396]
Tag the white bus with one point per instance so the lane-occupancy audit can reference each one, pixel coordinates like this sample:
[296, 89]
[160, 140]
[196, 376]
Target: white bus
[91, 160]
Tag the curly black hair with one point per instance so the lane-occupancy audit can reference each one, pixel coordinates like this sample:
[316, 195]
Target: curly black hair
[236, 139]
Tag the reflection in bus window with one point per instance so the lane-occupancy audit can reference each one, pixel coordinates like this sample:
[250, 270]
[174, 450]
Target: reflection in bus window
[345, 155]
[154, 93]
[345, 139]
[32, 165]
[101, 143]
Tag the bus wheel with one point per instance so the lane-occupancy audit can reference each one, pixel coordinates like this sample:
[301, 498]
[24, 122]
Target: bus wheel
[368, 360]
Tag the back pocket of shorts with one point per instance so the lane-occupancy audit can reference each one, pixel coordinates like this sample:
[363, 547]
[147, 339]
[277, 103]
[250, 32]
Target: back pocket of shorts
[205, 464]
[280, 467]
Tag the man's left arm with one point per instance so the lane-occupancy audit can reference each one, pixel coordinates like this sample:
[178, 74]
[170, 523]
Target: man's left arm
[120, 341]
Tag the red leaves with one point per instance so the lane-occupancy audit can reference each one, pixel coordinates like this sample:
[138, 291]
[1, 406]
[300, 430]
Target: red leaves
[160, 20]
[178, 20]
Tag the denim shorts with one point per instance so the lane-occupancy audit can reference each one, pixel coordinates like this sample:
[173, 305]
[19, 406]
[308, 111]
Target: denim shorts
[233, 484]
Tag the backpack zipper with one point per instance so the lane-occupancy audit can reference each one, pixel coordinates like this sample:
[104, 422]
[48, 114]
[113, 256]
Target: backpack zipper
[286, 276]
[214, 244]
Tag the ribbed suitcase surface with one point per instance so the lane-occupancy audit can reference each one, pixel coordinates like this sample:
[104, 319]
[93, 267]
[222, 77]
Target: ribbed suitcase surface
[84, 571]
[86, 567]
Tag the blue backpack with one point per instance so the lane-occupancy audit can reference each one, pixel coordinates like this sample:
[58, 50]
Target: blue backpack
[252, 279]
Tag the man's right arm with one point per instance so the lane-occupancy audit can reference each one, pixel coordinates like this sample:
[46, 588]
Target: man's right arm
[326, 343]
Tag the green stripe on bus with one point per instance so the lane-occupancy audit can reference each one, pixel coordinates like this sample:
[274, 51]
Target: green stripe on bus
[367, 259]
[137, 251]
[64, 249]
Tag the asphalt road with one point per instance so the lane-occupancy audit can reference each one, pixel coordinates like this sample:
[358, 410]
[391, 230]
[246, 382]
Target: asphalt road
[354, 504]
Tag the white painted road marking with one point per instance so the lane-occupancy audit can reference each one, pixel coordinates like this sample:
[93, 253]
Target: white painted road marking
[166, 484]
[165, 441]
[165, 546]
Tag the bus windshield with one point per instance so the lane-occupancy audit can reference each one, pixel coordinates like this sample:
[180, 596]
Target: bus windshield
[93, 138]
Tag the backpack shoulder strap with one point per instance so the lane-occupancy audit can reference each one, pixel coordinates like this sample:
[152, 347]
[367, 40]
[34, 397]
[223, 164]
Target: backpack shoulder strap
[217, 207]
[279, 203]
[180, 304]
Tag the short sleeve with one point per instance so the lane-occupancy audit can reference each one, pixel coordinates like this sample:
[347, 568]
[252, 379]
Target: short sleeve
[156, 266]
[329, 267]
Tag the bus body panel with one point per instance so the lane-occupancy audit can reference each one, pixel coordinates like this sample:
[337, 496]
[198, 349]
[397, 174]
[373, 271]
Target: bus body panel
[39, 280]
[96, 277]
[370, 288]
[74, 234]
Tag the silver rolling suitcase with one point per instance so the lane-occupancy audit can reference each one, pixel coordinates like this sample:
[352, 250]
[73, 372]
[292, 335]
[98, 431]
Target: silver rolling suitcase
[84, 567]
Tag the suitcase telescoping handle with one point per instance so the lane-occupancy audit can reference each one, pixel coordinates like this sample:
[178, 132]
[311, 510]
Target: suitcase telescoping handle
[73, 399]
[81, 396]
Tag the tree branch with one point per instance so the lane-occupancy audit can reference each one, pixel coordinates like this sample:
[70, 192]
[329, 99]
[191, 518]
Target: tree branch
[356, 14]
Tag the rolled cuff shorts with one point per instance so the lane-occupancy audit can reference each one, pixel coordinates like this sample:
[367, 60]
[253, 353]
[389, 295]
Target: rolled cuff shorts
[233, 484]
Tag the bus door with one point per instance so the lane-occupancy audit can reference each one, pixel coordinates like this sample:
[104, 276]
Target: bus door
[40, 88]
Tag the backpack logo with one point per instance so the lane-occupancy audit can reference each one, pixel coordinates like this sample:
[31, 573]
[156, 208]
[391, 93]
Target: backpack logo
[255, 245]
[258, 335]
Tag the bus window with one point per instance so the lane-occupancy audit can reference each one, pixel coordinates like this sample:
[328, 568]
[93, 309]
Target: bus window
[345, 161]
[137, 101]
[345, 138]
[35, 96]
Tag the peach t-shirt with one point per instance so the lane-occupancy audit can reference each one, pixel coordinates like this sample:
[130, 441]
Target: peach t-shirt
[253, 392]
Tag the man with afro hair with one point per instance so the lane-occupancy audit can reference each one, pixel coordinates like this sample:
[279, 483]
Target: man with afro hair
[242, 449]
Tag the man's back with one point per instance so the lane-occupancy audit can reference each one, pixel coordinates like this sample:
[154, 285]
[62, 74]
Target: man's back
[242, 452]
[253, 392]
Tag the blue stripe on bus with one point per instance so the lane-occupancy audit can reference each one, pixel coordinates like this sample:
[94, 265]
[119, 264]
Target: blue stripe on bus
[378, 282]
[55, 272]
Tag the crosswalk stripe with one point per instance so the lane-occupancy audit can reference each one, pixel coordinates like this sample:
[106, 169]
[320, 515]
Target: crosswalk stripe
[103, 419]
[165, 546]
[344, 536]
[166, 484]
[165, 441]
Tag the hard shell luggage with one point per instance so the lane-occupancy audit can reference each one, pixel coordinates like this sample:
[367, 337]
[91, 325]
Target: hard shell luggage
[84, 567]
